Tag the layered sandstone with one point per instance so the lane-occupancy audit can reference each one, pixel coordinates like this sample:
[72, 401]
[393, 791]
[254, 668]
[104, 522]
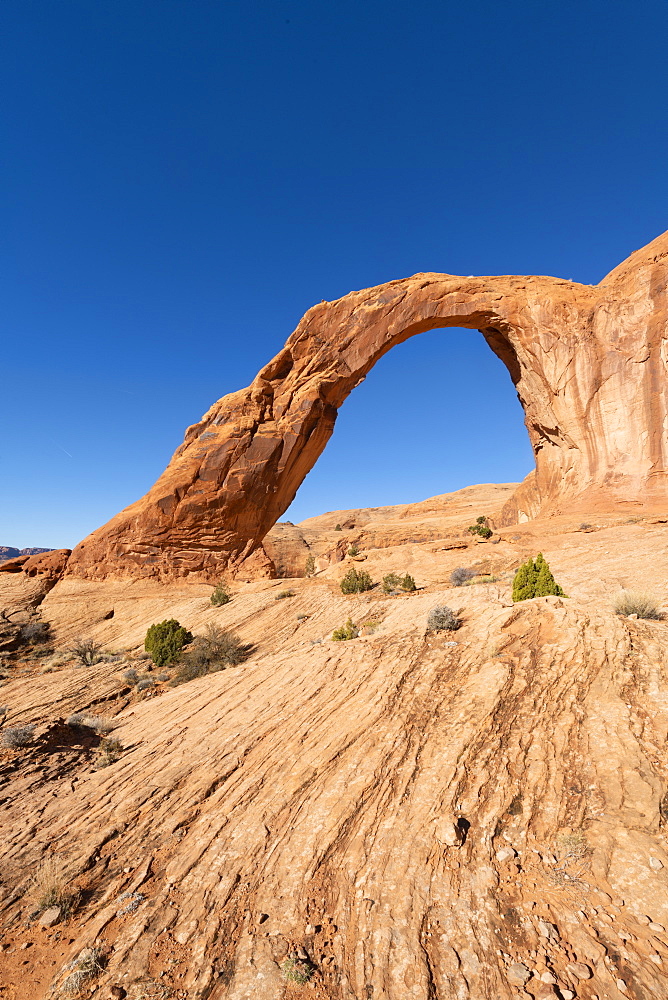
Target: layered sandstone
[477, 815]
[588, 363]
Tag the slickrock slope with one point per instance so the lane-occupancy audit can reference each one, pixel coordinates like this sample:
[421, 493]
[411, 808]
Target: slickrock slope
[588, 363]
[477, 815]
[445, 518]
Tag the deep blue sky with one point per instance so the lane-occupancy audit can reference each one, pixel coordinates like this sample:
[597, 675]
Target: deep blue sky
[181, 179]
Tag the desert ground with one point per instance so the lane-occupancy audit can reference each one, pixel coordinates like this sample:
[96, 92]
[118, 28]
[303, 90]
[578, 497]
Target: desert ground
[420, 814]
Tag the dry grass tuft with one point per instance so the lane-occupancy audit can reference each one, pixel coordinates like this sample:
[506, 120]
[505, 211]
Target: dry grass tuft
[638, 602]
[50, 886]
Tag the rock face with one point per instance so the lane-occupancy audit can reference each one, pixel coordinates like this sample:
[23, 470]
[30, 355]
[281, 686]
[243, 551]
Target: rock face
[588, 363]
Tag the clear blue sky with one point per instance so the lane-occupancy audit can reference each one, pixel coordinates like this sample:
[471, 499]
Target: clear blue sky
[181, 179]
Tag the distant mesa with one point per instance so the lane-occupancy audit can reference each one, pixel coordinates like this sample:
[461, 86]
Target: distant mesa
[589, 364]
[9, 552]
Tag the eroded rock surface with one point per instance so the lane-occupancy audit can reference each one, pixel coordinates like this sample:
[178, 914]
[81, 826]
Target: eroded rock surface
[588, 363]
[459, 816]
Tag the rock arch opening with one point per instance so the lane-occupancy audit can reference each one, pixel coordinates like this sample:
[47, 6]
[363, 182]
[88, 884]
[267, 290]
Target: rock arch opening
[435, 415]
[587, 362]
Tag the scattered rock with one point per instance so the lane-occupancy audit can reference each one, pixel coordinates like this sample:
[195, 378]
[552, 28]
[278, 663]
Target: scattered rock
[448, 831]
[50, 917]
[642, 919]
[621, 986]
[655, 863]
[548, 930]
[567, 994]
[506, 853]
[656, 958]
[118, 993]
[518, 974]
[579, 970]
[547, 977]
[657, 928]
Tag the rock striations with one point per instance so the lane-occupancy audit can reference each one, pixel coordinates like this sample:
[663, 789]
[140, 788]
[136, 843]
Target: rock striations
[477, 815]
[588, 363]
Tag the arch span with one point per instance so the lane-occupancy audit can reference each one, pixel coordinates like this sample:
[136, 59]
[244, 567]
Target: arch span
[588, 363]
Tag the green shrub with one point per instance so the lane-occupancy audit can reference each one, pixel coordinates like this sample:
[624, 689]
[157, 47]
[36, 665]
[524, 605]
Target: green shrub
[309, 568]
[356, 581]
[282, 594]
[353, 550]
[297, 970]
[534, 579]
[392, 583]
[221, 595]
[481, 527]
[165, 641]
[338, 527]
[347, 631]
[442, 618]
[636, 602]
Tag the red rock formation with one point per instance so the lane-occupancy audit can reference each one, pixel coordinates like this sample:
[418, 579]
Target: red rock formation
[588, 363]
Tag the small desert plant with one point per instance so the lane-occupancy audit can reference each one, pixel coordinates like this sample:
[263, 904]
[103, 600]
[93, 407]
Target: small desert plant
[353, 550]
[282, 594]
[355, 582]
[165, 641]
[573, 846]
[49, 887]
[481, 527]
[534, 579]
[461, 575]
[442, 618]
[585, 526]
[297, 970]
[209, 653]
[132, 900]
[15, 737]
[337, 527]
[86, 651]
[221, 595]
[110, 751]
[88, 964]
[162, 677]
[145, 684]
[83, 720]
[347, 631]
[309, 567]
[35, 632]
[130, 676]
[637, 602]
[4, 711]
[58, 660]
[391, 583]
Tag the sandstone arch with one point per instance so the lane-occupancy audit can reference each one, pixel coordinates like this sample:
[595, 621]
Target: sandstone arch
[588, 363]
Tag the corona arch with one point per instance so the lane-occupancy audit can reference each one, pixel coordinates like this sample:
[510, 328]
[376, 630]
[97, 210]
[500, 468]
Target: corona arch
[588, 363]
